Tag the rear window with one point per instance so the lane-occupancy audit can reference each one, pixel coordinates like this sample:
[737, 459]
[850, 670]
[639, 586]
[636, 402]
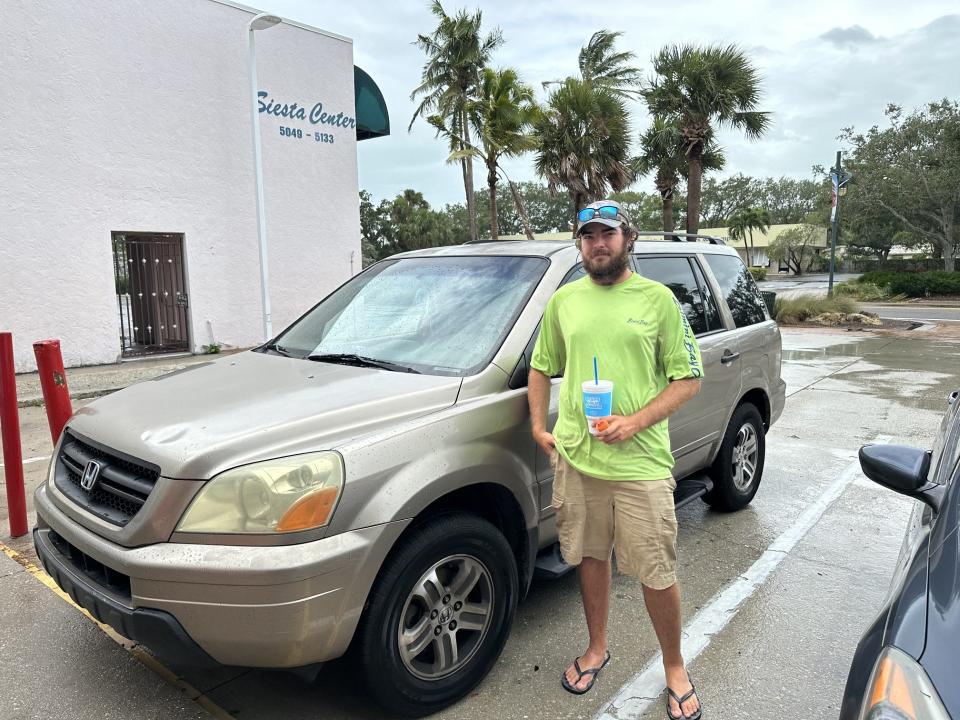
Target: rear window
[738, 289]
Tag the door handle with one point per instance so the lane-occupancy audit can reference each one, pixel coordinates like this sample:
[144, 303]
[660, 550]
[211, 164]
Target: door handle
[729, 357]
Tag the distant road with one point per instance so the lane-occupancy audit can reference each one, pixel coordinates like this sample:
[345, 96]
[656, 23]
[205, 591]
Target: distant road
[914, 312]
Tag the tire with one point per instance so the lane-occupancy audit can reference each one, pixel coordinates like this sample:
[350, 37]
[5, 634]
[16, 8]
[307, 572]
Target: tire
[733, 486]
[473, 568]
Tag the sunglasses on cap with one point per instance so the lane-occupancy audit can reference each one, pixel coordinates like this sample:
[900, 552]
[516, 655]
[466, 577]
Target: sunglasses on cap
[607, 212]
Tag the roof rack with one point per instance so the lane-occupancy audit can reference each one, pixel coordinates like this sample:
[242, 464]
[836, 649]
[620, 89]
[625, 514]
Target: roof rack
[681, 236]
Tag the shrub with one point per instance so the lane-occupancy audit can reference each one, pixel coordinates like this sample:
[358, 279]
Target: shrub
[794, 311]
[759, 273]
[863, 291]
[877, 277]
[914, 284]
[921, 284]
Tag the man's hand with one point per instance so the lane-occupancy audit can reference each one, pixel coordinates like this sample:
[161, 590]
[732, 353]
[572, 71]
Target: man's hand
[616, 428]
[546, 441]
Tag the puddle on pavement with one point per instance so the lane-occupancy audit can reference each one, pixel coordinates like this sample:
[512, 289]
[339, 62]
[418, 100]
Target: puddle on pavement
[916, 373]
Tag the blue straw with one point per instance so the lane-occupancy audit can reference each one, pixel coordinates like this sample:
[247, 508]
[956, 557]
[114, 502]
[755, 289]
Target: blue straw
[596, 375]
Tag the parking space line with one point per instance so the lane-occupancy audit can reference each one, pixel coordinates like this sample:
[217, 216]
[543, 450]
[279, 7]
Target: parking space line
[32, 460]
[145, 658]
[647, 686]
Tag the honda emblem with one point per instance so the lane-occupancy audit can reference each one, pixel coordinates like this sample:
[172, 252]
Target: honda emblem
[91, 473]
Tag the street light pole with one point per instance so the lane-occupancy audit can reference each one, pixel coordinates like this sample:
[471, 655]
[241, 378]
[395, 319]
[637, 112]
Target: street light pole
[260, 22]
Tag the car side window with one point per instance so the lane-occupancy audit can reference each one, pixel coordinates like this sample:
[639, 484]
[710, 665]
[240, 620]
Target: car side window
[575, 274]
[738, 288]
[678, 275]
[710, 307]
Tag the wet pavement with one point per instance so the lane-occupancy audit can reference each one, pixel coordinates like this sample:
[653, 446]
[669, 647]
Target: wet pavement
[780, 649]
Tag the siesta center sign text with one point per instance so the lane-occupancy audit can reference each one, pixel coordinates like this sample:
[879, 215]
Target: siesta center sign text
[316, 115]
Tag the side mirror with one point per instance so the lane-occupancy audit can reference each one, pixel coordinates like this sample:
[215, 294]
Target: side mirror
[903, 470]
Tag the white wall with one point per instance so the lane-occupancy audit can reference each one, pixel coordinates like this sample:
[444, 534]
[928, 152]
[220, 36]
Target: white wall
[135, 116]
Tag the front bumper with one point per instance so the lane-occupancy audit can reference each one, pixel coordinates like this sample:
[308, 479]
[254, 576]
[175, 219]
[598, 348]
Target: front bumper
[282, 606]
[158, 630]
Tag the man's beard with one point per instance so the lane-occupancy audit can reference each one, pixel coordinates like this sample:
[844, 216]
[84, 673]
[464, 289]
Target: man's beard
[609, 268]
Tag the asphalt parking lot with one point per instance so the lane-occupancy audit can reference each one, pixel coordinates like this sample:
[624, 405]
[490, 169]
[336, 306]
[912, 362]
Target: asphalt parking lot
[775, 597]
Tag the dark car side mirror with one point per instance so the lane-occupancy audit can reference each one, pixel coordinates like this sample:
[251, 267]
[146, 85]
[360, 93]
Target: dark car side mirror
[903, 470]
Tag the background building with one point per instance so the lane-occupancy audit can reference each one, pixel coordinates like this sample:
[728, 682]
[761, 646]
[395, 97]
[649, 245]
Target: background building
[127, 189]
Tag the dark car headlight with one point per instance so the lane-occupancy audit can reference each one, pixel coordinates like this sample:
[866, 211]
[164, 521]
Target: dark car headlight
[899, 689]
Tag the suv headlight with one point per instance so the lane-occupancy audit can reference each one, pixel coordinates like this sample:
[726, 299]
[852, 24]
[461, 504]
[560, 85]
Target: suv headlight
[899, 689]
[275, 496]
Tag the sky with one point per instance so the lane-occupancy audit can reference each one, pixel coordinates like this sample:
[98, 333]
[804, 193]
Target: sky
[825, 65]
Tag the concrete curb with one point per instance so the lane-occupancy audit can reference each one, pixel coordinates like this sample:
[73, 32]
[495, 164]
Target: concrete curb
[37, 400]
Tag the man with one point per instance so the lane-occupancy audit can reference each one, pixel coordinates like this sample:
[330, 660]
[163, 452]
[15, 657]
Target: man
[615, 489]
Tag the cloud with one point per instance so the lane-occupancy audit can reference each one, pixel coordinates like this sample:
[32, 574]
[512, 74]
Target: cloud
[824, 66]
[849, 37]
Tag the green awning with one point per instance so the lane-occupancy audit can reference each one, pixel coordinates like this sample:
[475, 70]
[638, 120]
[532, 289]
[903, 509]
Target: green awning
[372, 117]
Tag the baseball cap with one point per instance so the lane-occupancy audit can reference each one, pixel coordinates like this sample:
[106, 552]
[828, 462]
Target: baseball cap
[602, 212]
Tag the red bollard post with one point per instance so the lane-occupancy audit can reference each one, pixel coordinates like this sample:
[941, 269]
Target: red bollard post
[10, 427]
[53, 381]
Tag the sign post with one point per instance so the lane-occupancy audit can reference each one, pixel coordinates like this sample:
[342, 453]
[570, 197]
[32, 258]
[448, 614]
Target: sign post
[838, 179]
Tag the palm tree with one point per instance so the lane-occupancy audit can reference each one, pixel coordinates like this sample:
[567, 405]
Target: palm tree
[601, 65]
[742, 224]
[502, 116]
[663, 154]
[583, 142]
[456, 54]
[703, 88]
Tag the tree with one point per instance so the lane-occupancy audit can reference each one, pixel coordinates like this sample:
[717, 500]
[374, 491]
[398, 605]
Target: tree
[743, 223]
[663, 154]
[602, 66]
[456, 54]
[911, 170]
[583, 134]
[788, 200]
[796, 246]
[583, 143]
[548, 212]
[646, 209]
[409, 223]
[371, 229]
[719, 199]
[502, 116]
[703, 88]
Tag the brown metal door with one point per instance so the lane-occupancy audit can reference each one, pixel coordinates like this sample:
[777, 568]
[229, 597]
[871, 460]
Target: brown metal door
[151, 293]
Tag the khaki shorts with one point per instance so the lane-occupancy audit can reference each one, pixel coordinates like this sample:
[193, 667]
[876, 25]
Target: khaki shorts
[637, 518]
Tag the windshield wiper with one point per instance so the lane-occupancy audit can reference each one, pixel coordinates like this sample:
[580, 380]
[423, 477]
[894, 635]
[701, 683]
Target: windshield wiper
[361, 361]
[277, 348]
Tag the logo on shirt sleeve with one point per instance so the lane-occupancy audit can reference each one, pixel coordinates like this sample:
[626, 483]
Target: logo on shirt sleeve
[688, 342]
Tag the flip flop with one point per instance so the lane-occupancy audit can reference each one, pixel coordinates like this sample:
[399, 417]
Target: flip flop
[680, 701]
[593, 672]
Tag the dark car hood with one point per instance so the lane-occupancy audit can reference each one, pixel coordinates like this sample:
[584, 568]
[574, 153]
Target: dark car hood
[252, 406]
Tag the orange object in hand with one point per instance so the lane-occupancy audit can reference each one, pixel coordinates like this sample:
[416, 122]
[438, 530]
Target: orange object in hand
[602, 425]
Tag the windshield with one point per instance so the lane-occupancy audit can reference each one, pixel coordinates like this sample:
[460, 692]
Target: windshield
[437, 315]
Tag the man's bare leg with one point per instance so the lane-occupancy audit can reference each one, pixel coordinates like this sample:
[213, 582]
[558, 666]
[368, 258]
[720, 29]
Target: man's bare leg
[595, 590]
[664, 609]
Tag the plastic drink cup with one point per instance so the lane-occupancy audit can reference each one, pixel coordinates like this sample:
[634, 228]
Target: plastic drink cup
[597, 402]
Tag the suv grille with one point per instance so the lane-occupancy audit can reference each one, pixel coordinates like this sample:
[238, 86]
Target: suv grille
[123, 484]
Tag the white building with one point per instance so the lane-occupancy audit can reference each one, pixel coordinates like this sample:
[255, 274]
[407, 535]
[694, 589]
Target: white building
[127, 199]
